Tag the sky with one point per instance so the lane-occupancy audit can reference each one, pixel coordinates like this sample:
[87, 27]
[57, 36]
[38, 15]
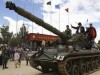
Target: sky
[79, 11]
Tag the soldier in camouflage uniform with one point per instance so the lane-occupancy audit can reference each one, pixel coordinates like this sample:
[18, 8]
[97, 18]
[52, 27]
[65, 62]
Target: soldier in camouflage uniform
[4, 57]
[68, 31]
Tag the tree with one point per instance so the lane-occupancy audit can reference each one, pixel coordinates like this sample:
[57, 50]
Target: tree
[22, 33]
[14, 41]
[99, 42]
[5, 34]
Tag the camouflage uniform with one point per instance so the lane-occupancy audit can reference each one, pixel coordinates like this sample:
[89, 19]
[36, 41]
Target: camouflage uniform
[68, 32]
[4, 58]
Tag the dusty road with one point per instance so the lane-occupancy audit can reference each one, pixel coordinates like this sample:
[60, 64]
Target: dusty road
[26, 70]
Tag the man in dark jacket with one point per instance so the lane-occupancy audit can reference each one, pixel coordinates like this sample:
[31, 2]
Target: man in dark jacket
[91, 35]
[79, 28]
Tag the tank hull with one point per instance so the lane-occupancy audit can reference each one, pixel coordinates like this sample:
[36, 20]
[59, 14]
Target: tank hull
[89, 60]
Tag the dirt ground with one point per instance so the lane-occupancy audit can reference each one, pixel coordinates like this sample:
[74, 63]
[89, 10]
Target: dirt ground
[26, 70]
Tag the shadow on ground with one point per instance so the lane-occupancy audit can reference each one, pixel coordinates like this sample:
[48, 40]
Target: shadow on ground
[47, 74]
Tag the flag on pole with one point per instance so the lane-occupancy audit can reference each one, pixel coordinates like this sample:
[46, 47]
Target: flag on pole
[57, 6]
[67, 9]
[49, 3]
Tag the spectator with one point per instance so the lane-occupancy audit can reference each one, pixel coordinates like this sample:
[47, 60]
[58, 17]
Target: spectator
[91, 35]
[79, 28]
[26, 56]
[20, 54]
[16, 58]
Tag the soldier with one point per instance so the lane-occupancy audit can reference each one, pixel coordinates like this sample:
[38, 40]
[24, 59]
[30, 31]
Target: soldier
[68, 31]
[4, 57]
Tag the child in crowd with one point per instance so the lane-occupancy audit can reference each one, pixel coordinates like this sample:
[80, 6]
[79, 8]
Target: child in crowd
[16, 58]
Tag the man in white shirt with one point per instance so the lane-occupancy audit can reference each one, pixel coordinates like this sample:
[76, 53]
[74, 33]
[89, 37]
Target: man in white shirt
[16, 58]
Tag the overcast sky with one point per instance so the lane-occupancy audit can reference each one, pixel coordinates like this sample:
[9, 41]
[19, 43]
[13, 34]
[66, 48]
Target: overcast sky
[79, 11]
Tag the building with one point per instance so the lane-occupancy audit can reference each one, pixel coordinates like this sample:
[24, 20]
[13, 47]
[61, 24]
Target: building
[33, 40]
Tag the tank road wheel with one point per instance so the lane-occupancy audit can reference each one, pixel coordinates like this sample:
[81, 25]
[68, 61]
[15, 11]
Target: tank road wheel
[88, 67]
[83, 69]
[69, 67]
[75, 70]
[65, 67]
[93, 65]
[96, 64]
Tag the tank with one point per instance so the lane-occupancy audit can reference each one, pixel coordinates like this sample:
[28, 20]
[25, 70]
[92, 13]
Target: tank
[67, 56]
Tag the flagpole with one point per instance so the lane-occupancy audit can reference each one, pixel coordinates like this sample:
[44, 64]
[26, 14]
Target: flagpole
[68, 16]
[50, 12]
[86, 23]
[42, 17]
[59, 18]
[51, 16]
[16, 24]
[33, 12]
[23, 22]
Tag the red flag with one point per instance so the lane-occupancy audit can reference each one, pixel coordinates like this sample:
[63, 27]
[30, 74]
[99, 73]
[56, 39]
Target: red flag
[49, 3]
[67, 9]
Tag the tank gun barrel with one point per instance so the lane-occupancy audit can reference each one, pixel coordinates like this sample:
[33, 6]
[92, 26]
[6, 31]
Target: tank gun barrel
[33, 18]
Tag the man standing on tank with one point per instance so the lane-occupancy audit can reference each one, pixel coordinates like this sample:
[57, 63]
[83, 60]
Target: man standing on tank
[91, 35]
[79, 28]
[68, 31]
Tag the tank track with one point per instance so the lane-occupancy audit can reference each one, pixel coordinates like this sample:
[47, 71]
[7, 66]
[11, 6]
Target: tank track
[79, 65]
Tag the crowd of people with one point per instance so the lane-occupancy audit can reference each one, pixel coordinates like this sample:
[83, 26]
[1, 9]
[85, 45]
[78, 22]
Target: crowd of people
[90, 33]
[15, 54]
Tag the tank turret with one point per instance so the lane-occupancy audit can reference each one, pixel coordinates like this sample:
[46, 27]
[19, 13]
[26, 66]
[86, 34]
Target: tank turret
[35, 19]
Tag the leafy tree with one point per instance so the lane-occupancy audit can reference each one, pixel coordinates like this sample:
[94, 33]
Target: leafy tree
[99, 42]
[5, 34]
[1, 41]
[14, 41]
[22, 32]
[9, 38]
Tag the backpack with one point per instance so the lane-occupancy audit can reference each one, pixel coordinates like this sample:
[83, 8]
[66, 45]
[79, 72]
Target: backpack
[92, 33]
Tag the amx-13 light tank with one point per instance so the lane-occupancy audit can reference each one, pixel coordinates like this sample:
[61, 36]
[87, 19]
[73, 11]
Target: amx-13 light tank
[69, 55]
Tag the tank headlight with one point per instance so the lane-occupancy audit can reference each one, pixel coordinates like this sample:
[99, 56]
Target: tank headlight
[60, 57]
[55, 57]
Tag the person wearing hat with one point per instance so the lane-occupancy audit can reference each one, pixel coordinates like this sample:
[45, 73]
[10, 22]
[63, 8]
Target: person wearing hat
[79, 28]
[91, 35]
[68, 31]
